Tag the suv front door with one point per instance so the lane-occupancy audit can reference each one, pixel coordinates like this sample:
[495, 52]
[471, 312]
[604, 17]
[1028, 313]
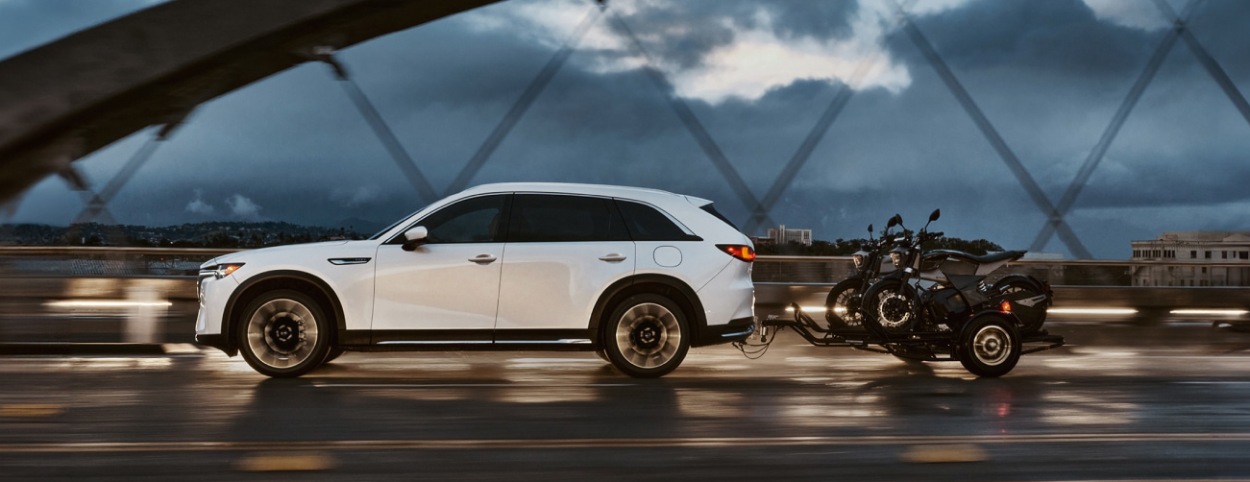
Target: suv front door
[448, 287]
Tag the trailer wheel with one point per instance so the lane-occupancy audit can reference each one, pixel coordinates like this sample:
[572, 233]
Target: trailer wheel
[989, 346]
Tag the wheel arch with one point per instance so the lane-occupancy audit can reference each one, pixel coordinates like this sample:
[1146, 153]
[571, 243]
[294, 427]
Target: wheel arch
[303, 282]
[668, 286]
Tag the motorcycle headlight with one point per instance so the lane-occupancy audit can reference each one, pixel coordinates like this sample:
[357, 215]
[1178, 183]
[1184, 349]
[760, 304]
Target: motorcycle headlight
[858, 260]
[896, 258]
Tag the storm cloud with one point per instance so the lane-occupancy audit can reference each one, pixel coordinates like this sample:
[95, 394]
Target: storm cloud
[1049, 76]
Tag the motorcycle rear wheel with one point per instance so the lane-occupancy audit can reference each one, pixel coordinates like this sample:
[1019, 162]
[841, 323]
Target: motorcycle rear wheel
[1011, 286]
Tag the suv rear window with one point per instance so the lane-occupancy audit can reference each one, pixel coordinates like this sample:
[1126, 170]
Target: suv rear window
[645, 223]
[711, 209]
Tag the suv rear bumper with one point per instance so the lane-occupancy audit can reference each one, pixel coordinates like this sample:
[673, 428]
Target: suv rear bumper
[735, 330]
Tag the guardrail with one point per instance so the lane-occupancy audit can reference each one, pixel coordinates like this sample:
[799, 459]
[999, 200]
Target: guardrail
[36, 283]
[1078, 284]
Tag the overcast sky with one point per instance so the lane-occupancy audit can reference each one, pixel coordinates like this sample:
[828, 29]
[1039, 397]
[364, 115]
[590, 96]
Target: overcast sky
[1049, 75]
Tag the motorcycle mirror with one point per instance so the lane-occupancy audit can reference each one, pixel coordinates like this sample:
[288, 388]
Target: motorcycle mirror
[937, 213]
[869, 230]
[894, 221]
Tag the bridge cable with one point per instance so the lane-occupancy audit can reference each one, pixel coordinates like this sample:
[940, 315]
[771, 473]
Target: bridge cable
[991, 134]
[817, 133]
[523, 103]
[96, 209]
[380, 128]
[1204, 57]
[1108, 136]
[688, 118]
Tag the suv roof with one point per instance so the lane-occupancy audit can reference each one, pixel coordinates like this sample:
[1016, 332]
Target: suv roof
[640, 193]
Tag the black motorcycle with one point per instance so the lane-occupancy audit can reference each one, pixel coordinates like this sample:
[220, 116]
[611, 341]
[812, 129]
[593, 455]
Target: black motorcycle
[940, 289]
[843, 302]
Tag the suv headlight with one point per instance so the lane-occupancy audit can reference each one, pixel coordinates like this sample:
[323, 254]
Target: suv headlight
[221, 270]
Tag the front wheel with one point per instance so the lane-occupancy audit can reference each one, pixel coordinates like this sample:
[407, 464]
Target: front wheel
[893, 304]
[842, 304]
[284, 333]
[646, 336]
[989, 346]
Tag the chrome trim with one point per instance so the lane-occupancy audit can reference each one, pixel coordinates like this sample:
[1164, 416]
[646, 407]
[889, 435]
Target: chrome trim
[346, 261]
[562, 341]
[434, 342]
[748, 331]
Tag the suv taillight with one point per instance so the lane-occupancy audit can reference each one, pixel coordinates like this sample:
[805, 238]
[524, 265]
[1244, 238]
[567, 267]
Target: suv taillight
[740, 251]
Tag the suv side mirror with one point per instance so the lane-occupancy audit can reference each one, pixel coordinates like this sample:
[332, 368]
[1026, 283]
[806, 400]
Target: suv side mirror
[415, 237]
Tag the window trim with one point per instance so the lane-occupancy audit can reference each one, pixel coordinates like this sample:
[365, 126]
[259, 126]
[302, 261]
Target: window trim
[611, 206]
[506, 212]
[689, 233]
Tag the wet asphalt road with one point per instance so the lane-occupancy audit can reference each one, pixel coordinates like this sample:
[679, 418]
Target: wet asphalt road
[1121, 402]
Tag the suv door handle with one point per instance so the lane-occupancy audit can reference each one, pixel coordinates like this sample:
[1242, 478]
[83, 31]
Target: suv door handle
[612, 258]
[483, 259]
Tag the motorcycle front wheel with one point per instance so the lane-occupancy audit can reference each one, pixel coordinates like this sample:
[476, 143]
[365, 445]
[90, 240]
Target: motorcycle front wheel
[842, 304]
[893, 304]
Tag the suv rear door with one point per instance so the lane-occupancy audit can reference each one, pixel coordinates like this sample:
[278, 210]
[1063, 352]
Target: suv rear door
[562, 251]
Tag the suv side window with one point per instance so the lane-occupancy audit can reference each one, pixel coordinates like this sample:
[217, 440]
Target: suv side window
[560, 217]
[645, 223]
[555, 218]
[473, 220]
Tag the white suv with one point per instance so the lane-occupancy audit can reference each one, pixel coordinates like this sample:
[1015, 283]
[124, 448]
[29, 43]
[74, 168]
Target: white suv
[637, 275]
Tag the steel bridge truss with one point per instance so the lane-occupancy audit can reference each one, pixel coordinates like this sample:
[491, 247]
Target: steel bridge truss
[760, 208]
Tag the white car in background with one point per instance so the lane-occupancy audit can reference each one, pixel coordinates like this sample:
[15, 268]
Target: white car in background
[637, 275]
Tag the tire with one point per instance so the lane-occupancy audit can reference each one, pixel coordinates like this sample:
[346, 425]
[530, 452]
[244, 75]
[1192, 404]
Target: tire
[989, 346]
[845, 298]
[646, 336]
[284, 333]
[893, 304]
[1022, 287]
[333, 354]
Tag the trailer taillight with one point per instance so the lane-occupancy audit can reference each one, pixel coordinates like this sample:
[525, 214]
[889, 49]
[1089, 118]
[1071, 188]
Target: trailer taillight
[740, 251]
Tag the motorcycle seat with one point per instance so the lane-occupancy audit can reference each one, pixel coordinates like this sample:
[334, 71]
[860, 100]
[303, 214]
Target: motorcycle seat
[986, 259]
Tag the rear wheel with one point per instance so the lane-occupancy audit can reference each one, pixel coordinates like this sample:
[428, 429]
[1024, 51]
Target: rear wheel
[284, 333]
[646, 336]
[1029, 301]
[989, 346]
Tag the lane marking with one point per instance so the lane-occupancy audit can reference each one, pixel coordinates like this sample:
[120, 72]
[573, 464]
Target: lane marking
[938, 454]
[274, 447]
[469, 385]
[31, 410]
[286, 462]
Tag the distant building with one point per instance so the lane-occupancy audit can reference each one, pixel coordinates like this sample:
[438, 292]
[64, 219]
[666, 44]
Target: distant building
[780, 235]
[1204, 258]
